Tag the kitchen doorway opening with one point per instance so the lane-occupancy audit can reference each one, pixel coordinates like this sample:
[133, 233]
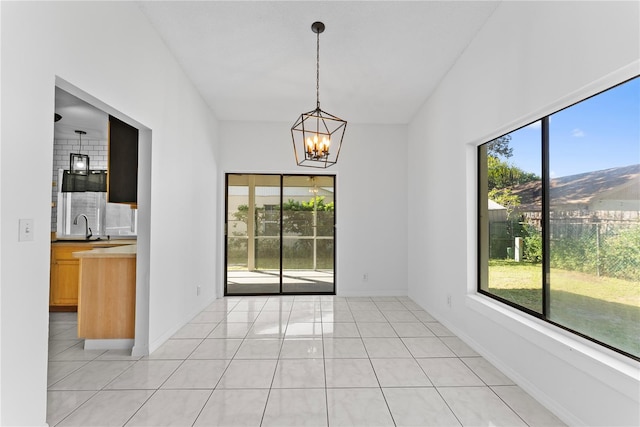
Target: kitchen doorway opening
[280, 234]
[75, 116]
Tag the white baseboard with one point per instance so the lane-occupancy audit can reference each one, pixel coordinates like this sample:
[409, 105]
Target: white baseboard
[112, 344]
[140, 350]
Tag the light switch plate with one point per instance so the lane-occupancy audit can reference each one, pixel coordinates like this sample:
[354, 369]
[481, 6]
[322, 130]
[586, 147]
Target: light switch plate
[26, 230]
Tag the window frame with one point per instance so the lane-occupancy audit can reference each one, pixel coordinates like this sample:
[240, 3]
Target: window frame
[545, 220]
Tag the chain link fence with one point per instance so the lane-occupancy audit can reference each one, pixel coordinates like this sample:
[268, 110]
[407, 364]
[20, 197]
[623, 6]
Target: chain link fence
[601, 247]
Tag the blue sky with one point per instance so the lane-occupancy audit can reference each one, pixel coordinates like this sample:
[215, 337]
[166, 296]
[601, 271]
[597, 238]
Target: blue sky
[599, 133]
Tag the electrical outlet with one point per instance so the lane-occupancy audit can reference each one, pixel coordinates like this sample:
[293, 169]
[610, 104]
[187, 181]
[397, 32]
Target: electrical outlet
[365, 277]
[198, 289]
[449, 300]
[26, 230]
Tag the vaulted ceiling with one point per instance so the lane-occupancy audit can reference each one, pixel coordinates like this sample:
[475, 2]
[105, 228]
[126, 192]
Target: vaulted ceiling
[256, 60]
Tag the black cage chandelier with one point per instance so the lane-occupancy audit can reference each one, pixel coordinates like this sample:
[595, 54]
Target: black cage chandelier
[317, 135]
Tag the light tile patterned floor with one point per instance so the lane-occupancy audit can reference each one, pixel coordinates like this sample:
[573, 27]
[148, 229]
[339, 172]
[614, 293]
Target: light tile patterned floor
[288, 361]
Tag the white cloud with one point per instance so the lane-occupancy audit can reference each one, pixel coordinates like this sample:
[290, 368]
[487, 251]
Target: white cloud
[577, 133]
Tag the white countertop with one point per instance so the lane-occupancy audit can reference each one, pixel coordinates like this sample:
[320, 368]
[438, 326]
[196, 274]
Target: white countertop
[126, 251]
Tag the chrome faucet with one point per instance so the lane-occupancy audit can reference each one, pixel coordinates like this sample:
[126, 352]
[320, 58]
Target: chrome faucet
[87, 230]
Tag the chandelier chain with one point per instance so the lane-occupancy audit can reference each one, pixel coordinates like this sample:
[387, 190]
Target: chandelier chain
[318, 71]
[80, 133]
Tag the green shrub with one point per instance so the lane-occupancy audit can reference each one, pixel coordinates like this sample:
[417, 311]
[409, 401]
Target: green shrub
[575, 254]
[532, 243]
[620, 255]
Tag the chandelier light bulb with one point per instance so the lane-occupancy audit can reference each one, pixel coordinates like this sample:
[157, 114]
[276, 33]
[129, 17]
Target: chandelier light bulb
[316, 148]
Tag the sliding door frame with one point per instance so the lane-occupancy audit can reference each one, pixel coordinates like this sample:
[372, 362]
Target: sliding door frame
[281, 228]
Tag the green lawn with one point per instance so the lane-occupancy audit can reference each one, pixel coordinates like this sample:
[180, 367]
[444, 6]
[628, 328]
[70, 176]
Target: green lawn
[604, 308]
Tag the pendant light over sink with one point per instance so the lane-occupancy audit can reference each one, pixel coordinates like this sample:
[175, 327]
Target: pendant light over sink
[317, 135]
[78, 162]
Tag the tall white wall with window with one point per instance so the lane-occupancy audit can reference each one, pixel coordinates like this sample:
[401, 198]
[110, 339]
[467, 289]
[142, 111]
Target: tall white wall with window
[530, 59]
[566, 249]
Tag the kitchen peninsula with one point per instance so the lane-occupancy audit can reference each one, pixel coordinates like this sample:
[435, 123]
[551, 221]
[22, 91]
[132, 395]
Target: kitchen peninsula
[107, 295]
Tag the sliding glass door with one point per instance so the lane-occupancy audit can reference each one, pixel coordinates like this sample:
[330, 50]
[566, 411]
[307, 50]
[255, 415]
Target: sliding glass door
[308, 233]
[253, 234]
[280, 234]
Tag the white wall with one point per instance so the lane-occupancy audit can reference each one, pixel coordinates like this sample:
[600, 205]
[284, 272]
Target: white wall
[108, 51]
[530, 59]
[371, 183]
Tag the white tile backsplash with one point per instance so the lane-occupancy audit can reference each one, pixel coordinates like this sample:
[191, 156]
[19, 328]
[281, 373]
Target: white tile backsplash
[98, 158]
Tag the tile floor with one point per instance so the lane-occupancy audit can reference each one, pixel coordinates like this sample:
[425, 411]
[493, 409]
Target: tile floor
[288, 361]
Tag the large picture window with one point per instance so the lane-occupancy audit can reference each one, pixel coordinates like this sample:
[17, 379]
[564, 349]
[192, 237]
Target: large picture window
[559, 218]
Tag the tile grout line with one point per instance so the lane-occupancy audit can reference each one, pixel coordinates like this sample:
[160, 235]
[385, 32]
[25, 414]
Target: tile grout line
[226, 312]
[159, 386]
[324, 363]
[378, 379]
[435, 387]
[507, 405]
[95, 392]
[72, 372]
[266, 403]
[167, 379]
[215, 387]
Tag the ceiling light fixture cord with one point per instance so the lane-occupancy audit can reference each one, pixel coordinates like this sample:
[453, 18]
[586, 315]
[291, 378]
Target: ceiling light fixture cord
[318, 71]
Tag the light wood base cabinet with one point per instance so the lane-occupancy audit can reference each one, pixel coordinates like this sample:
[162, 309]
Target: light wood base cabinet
[65, 267]
[107, 298]
[65, 271]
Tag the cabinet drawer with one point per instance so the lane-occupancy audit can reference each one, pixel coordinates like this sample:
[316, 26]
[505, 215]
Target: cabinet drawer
[65, 252]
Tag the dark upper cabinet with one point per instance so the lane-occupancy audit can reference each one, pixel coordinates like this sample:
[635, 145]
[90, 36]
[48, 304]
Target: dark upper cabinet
[123, 163]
